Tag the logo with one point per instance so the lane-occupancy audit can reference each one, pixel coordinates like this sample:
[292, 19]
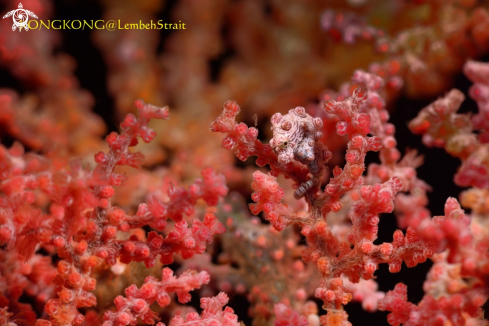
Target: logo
[20, 17]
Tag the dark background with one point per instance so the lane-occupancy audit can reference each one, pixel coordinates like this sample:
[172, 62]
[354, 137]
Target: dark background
[438, 169]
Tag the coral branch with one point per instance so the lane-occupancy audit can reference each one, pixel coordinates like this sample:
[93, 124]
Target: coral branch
[136, 305]
[245, 140]
[212, 314]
